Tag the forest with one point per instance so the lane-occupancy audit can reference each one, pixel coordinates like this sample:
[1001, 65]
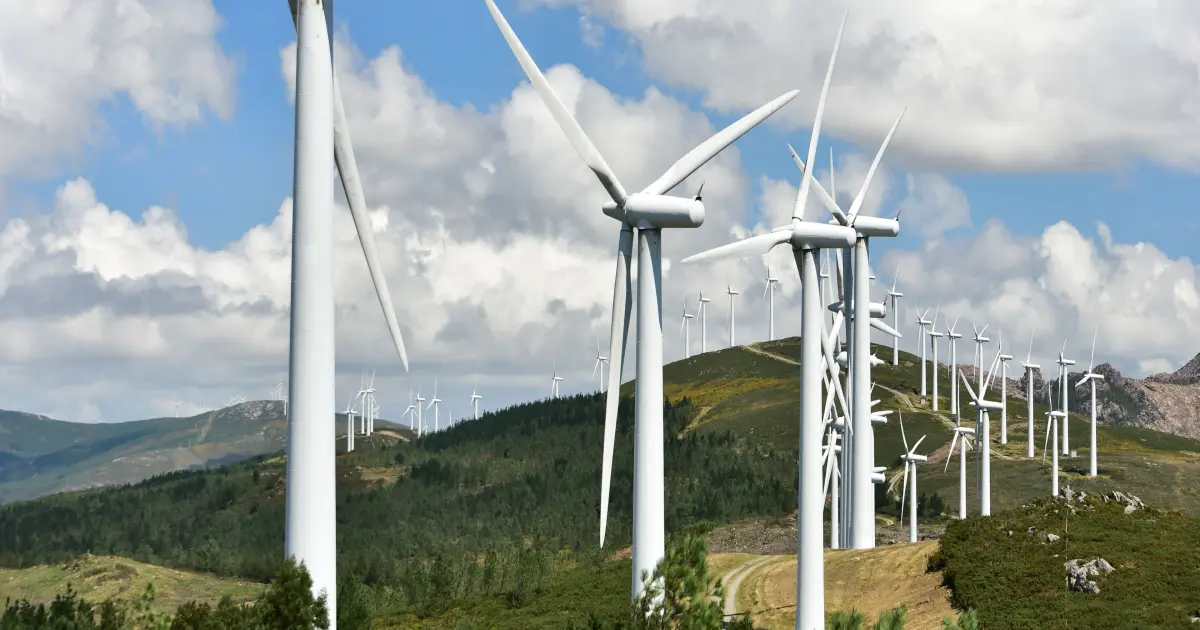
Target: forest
[489, 507]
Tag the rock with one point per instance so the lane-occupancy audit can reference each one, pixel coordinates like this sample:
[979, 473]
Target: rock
[1078, 574]
[1129, 509]
[1051, 538]
[1131, 502]
[1068, 493]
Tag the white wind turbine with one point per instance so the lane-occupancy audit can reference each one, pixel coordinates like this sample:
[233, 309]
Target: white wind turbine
[983, 436]
[894, 296]
[805, 239]
[601, 361]
[1030, 366]
[421, 413]
[369, 406]
[934, 335]
[911, 459]
[649, 211]
[350, 424]
[700, 312]
[475, 398]
[411, 412]
[555, 379]
[685, 330]
[1091, 377]
[979, 341]
[921, 332]
[322, 136]
[732, 313]
[1052, 418]
[1063, 363]
[960, 432]
[436, 403]
[953, 338]
[1004, 359]
[769, 295]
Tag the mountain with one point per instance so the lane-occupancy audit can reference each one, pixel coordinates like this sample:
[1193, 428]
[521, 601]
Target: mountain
[40, 455]
[1167, 402]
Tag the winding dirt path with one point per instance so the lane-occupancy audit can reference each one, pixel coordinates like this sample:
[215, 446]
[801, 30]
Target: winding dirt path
[733, 579]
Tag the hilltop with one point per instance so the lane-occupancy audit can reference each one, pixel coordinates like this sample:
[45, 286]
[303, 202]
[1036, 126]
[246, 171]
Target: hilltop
[40, 455]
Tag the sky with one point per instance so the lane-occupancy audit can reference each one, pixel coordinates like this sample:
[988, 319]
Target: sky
[1046, 166]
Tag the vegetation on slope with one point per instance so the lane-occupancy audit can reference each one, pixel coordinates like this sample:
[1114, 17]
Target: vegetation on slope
[1013, 574]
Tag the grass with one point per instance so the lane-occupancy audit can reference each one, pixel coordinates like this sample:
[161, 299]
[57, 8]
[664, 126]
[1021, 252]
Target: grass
[97, 578]
[1005, 568]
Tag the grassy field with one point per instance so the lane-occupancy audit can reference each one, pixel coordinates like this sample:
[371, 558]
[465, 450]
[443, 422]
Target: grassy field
[1007, 569]
[97, 578]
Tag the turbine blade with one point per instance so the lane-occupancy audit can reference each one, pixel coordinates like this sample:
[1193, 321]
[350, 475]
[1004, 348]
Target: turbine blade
[883, 327]
[583, 145]
[904, 490]
[1092, 359]
[862, 192]
[816, 186]
[1029, 356]
[618, 331]
[903, 438]
[706, 150]
[971, 392]
[753, 246]
[805, 184]
[949, 455]
[914, 448]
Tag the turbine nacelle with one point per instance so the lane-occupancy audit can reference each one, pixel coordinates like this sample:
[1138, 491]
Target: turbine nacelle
[1031, 366]
[915, 459]
[873, 226]
[644, 210]
[1006, 357]
[985, 404]
[878, 309]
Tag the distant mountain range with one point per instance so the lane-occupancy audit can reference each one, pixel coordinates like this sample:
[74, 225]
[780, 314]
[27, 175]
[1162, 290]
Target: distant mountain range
[40, 455]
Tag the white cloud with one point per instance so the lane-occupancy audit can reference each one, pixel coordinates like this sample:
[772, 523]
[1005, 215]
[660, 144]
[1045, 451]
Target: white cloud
[993, 84]
[60, 59]
[501, 263]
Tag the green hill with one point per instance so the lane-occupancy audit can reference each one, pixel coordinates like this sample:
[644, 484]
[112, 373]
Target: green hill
[40, 455]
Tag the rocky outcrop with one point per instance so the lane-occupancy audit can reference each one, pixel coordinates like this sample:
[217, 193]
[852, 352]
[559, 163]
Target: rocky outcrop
[1162, 402]
[1078, 573]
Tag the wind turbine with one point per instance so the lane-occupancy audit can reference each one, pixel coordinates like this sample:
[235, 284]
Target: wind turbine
[421, 413]
[1063, 362]
[1091, 377]
[554, 381]
[921, 332]
[601, 361]
[934, 335]
[911, 459]
[436, 403]
[1004, 359]
[806, 238]
[1053, 417]
[685, 331]
[895, 296]
[1030, 366]
[983, 436]
[979, 341]
[960, 432]
[769, 294]
[350, 424]
[322, 133]
[475, 398]
[700, 312]
[732, 319]
[411, 413]
[649, 211]
[953, 338]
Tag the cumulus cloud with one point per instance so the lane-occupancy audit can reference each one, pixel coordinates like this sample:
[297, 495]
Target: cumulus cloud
[501, 262]
[60, 59]
[995, 84]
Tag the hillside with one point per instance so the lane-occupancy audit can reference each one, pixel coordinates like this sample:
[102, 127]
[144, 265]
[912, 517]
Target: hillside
[1163, 402]
[40, 455]
[98, 578]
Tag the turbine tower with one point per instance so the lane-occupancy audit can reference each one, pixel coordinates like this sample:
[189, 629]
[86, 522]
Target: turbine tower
[1052, 418]
[649, 211]
[1091, 377]
[554, 381]
[685, 331]
[960, 432]
[421, 413]
[769, 294]
[1030, 367]
[411, 413]
[894, 296]
[911, 459]
[322, 135]
[1063, 363]
[436, 404]
[700, 312]
[732, 313]
[475, 398]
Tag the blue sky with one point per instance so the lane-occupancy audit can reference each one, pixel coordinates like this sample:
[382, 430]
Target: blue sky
[223, 177]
